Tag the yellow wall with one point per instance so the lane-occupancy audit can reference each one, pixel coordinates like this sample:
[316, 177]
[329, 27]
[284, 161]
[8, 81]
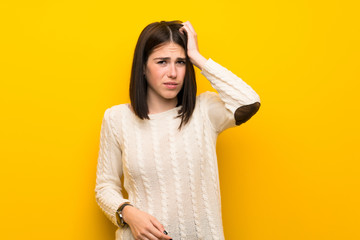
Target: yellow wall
[292, 172]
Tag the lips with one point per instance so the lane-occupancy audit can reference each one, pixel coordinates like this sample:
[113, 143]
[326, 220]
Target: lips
[171, 85]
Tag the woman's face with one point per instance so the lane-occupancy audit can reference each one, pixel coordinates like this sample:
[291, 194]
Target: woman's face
[165, 71]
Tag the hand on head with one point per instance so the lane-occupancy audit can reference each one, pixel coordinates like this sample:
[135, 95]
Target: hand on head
[192, 45]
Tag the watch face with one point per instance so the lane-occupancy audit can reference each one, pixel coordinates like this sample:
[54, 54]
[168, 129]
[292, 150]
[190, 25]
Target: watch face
[118, 219]
[122, 220]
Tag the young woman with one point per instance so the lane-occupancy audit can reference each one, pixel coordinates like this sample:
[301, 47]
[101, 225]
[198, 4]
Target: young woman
[164, 142]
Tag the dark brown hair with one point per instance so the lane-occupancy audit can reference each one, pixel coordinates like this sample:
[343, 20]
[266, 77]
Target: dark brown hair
[154, 35]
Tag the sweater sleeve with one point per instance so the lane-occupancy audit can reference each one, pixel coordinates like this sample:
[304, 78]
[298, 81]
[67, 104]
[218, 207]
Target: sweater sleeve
[109, 170]
[233, 93]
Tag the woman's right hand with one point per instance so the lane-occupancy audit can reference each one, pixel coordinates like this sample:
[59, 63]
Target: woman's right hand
[143, 226]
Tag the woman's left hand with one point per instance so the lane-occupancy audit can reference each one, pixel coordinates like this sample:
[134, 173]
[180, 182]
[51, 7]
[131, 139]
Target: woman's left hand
[192, 45]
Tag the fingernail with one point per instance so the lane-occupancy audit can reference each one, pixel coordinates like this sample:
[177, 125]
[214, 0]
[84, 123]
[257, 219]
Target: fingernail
[165, 232]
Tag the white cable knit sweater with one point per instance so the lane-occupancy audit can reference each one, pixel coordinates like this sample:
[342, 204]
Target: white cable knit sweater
[170, 174]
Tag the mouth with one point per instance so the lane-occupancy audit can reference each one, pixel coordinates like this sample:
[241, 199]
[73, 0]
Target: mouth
[170, 85]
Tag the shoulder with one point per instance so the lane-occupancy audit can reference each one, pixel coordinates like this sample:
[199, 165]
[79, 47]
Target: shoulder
[206, 95]
[114, 114]
[209, 101]
[116, 110]
[113, 118]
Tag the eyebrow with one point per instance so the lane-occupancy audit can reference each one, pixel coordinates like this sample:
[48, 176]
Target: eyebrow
[167, 58]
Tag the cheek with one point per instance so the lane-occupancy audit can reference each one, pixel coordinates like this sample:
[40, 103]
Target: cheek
[156, 72]
[152, 75]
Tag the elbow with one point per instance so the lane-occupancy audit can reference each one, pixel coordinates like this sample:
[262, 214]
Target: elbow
[101, 200]
[244, 113]
[100, 192]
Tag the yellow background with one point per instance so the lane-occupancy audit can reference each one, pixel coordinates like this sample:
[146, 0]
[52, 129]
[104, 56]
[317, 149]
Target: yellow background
[292, 172]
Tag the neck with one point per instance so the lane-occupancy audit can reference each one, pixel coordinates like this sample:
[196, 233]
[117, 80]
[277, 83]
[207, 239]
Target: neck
[156, 105]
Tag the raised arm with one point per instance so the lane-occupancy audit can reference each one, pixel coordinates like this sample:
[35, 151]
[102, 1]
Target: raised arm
[238, 97]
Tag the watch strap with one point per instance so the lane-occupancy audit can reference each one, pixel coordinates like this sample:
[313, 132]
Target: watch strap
[119, 218]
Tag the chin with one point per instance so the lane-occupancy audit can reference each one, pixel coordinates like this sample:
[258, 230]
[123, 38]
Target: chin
[170, 96]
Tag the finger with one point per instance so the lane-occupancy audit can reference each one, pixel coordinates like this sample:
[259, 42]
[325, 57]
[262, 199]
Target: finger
[157, 225]
[192, 37]
[188, 31]
[160, 230]
[156, 234]
[190, 26]
[182, 30]
[149, 235]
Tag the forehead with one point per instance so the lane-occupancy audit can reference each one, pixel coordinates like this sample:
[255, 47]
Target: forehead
[168, 49]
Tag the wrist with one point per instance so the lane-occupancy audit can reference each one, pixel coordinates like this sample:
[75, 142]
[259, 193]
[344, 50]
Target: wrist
[126, 211]
[198, 60]
[119, 214]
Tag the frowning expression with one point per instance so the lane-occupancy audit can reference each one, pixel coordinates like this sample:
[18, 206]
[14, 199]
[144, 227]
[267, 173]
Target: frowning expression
[165, 71]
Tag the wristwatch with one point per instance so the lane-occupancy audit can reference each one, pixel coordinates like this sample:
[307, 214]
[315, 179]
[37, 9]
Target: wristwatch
[119, 218]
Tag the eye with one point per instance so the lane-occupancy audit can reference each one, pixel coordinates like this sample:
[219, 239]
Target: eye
[181, 62]
[161, 62]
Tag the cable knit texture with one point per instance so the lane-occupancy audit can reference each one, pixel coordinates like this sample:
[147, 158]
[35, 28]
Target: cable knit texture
[170, 174]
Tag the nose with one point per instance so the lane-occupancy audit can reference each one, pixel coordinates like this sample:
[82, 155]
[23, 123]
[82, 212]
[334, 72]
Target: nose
[172, 71]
